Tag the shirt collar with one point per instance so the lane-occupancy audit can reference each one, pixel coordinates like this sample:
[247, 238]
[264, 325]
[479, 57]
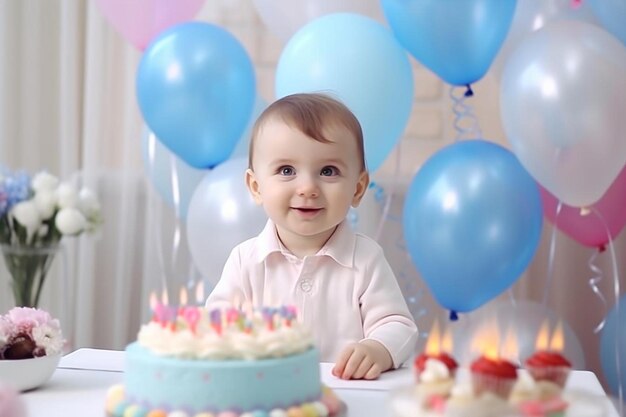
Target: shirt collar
[340, 246]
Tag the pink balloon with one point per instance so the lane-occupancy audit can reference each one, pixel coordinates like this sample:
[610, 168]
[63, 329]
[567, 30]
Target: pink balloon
[139, 21]
[589, 229]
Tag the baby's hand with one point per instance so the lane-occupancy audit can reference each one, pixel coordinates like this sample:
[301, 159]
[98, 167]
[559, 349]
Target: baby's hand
[363, 360]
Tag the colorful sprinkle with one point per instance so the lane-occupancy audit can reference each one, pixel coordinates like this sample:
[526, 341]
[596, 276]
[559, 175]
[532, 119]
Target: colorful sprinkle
[295, 412]
[309, 410]
[157, 413]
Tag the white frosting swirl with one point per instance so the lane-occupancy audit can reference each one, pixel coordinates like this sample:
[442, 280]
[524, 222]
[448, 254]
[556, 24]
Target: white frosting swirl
[232, 342]
[434, 371]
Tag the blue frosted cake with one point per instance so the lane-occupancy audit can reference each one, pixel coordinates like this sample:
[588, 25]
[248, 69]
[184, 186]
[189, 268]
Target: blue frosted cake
[222, 363]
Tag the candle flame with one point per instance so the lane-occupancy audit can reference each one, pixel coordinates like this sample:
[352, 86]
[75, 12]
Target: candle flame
[486, 340]
[446, 341]
[183, 296]
[200, 292]
[543, 336]
[433, 343]
[164, 297]
[510, 347]
[557, 342]
[153, 300]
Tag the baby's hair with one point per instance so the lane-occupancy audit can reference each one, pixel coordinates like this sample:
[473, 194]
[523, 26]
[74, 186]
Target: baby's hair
[312, 114]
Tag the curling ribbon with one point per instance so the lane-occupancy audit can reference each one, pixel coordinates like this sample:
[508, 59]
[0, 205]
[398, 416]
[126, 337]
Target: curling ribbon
[616, 294]
[465, 121]
[593, 284]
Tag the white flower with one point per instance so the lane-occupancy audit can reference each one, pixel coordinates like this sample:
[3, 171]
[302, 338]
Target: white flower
[88, 203]
[70, 221]
[44, 181]
[26, 214]
[46, 202]
[67, 195]
[49, 337]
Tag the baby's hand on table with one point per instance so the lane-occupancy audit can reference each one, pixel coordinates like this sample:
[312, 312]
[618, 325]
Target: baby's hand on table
[366, 359]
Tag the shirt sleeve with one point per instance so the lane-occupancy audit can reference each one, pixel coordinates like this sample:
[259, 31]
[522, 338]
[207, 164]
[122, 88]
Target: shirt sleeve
[386, 317]
[228, 289]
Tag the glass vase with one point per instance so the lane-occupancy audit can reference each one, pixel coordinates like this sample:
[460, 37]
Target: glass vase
[28, 268]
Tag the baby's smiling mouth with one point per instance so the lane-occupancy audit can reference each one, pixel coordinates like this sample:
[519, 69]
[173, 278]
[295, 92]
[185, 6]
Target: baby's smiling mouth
[307, 209]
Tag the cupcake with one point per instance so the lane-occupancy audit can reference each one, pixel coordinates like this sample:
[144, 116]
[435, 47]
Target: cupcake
[435, 374]
[549, 366]
[496, 376]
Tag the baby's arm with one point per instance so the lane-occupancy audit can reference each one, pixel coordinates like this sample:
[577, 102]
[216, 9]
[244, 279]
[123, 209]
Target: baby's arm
[389, 329]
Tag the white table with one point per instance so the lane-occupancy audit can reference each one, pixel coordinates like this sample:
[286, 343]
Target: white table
[79, 385]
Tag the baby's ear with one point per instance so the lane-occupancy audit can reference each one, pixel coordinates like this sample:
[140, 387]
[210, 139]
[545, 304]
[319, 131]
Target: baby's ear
[253, 186]
[361, 188]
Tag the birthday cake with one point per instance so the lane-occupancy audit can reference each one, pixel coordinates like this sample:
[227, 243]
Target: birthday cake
[495, 388]
[222, 363]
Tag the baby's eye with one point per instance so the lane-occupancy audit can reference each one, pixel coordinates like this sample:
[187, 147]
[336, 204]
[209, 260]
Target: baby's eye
[329, 171]
[286, 171]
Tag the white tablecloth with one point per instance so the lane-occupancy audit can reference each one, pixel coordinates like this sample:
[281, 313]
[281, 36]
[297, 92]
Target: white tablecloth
[78, 387]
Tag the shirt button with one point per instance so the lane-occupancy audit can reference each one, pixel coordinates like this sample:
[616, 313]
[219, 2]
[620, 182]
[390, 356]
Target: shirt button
[306, 285]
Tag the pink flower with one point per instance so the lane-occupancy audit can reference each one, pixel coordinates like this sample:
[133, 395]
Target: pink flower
[29, 332]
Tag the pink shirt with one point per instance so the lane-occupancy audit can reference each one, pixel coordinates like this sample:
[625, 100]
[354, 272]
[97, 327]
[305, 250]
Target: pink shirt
[345, 293]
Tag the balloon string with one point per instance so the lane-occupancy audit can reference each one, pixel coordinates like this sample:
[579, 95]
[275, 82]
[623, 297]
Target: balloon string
[465, 121]
[176, 201]
[391, 190]
[159, 238]
[616, 294]
[593, 284]
[551, 253]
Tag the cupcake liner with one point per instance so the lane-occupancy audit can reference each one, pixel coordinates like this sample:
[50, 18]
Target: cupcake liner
[490, 383]
[555, 374]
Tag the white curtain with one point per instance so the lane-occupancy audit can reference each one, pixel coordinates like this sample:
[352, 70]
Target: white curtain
[67, 105]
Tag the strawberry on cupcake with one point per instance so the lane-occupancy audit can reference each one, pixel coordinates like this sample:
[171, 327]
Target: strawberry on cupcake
[496, 376]
[545, 365]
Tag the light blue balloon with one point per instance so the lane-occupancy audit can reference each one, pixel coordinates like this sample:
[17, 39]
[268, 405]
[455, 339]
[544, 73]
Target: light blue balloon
[357, 60]
[612, 15]
[612, 343]
[196, 89]
[168, 172]
[472, 222]
[456, 39]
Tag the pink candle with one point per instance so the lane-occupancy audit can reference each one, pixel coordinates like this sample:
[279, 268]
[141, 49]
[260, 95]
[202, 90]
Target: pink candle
[191, 315]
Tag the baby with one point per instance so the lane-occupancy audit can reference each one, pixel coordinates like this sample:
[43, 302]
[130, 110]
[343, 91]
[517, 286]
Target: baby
[307, 168]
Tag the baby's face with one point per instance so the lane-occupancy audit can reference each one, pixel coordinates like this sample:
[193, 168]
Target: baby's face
[305, 186]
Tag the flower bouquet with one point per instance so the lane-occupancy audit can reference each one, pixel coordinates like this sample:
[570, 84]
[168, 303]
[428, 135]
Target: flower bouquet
[31, 344]
[35, 214]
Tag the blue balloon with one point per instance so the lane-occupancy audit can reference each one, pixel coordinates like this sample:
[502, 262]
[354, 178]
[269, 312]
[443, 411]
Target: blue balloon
[456, 39]
[613, 345]
[357, 60]
[472, 222]
[612, 15]
[196, 89]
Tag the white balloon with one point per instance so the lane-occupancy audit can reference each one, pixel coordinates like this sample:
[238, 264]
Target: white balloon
[285, 17]
[170, 175]
[562, 99]
[221, 215]
[532, 15]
